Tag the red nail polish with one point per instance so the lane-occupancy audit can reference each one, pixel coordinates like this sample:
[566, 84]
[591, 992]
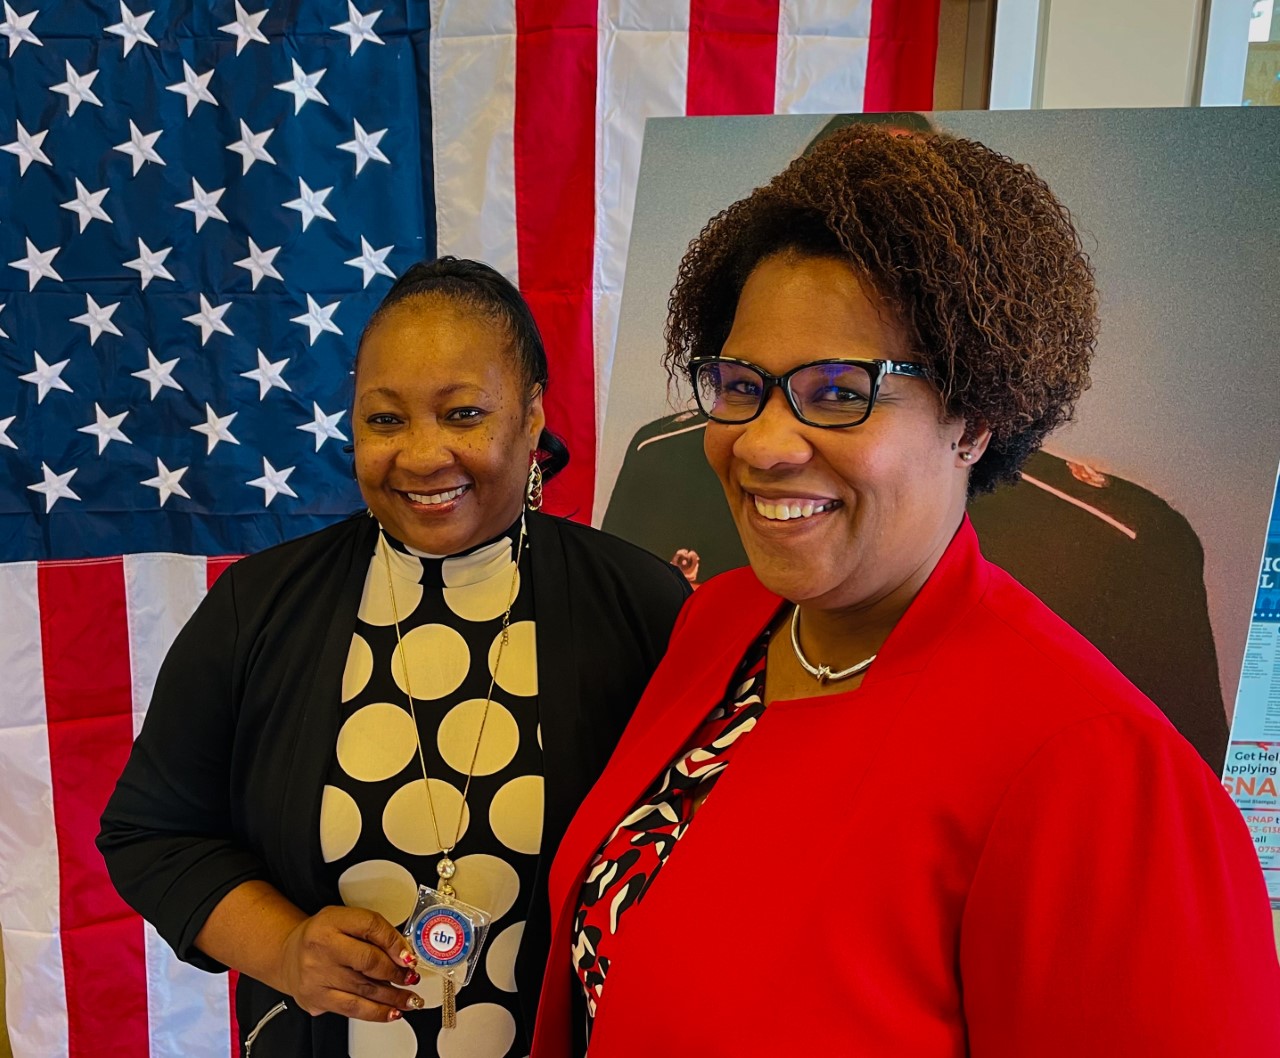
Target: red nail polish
[412, 977]
[394, 1016]
[407, 957]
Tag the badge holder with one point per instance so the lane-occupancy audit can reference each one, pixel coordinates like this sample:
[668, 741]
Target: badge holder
[447, 936]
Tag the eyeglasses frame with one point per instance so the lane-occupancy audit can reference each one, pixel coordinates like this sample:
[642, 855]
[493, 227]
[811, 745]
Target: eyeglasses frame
[879, 370]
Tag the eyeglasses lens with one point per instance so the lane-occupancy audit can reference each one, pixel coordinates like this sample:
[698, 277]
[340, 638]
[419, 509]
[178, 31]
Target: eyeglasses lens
[833, 394]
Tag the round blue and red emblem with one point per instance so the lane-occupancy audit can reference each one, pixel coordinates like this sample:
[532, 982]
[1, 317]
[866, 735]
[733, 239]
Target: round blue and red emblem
[443, 936]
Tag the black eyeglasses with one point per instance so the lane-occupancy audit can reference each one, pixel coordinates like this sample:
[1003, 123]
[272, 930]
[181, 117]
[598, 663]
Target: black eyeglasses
[830, 394]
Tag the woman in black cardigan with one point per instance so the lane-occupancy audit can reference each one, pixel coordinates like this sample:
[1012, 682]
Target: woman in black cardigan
[418, 696]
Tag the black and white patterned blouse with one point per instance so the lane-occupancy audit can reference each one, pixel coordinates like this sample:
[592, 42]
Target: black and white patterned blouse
[633, 856]
[376, 833]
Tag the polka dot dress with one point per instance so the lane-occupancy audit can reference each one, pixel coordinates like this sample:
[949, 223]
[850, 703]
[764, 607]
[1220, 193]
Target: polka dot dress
[376, 832]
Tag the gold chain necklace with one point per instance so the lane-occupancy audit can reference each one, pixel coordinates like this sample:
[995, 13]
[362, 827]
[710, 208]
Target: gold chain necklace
[446, 868]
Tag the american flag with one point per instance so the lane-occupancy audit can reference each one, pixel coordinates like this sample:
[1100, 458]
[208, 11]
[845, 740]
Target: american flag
[200, 205]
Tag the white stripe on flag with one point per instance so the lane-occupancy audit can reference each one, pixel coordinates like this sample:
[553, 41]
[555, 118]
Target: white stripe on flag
[643, 72]
[161, 593]
[822, 56]
[36, 994]
[473, 109]
[187, 1008]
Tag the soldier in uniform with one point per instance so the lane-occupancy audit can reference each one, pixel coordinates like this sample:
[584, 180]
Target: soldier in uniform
[1110, 557]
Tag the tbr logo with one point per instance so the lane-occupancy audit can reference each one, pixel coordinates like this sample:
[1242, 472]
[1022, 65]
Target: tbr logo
[444, 936]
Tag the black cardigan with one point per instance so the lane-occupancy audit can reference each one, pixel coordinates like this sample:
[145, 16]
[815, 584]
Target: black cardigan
[223, 784]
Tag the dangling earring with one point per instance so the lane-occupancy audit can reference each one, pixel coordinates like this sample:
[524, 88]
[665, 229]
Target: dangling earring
[533, 487]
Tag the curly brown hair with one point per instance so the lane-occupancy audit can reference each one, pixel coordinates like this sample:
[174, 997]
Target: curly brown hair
[979, 258]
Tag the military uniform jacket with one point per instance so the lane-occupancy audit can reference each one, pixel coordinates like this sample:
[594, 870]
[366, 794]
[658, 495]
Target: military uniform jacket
[223, 784]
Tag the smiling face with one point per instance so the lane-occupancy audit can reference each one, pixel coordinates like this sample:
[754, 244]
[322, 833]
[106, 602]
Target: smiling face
[444, 425]
[868, 509]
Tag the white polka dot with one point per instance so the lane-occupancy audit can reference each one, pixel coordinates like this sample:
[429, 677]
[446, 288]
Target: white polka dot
[380, 886]
[515, 814]
[500, 963]
[487, 882]
[359, 668]
[460, 728]
[407, 819]
[376, 742]
[484, 1030]
[518, 670]
[339, 823]
[381, 1039]
[438, 661]
[487, 599]
[375, 603]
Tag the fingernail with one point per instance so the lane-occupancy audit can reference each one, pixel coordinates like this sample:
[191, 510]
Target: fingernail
[412, 977]
[417, 1002]
[394, 1016]
[407, 957]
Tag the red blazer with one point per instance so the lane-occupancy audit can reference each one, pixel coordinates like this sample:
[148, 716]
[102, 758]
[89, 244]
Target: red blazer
[996, 846]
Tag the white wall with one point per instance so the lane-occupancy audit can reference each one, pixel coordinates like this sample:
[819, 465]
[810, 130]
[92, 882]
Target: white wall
[1098, 53]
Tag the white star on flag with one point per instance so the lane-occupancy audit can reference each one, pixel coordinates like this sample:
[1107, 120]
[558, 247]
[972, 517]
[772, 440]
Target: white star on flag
[166, 482]
[267, 375]
[47, 377]
[250, 147]
[194, 86]
[272, 482]
[132, 28]
[141, 147]
[216, 427]
[158, 375]
[310, 203]
[37, 264]
[258, 263]
[27, 148]
[106, 428]
[360, 27]
[98, 319]
[365, 146]
[18, 29]
[204, 204]
[150, 263]
[2, 330]
[5, 439]
[318, 319]
[209, 319]
[76, 89]
[87, 205]
[324, 427]
[303, 87]
[54, 486]
[245, 27]
[372, 262]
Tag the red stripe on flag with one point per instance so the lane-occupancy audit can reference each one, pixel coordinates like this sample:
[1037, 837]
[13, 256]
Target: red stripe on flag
[217, 566]
[89, 703]
[555, 163]
[233, 979]
[901, 56]
[733, 56]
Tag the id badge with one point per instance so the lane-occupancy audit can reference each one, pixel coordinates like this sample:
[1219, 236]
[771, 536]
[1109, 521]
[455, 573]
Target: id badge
[447, 935]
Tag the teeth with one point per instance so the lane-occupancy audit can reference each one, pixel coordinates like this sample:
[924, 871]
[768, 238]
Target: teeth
[783, 512]
[438, 497]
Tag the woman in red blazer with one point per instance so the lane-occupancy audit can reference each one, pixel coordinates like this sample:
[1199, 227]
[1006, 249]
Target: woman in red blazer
[878, 800]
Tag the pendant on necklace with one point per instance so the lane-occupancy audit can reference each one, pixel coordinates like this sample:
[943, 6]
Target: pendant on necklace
[447, 936]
